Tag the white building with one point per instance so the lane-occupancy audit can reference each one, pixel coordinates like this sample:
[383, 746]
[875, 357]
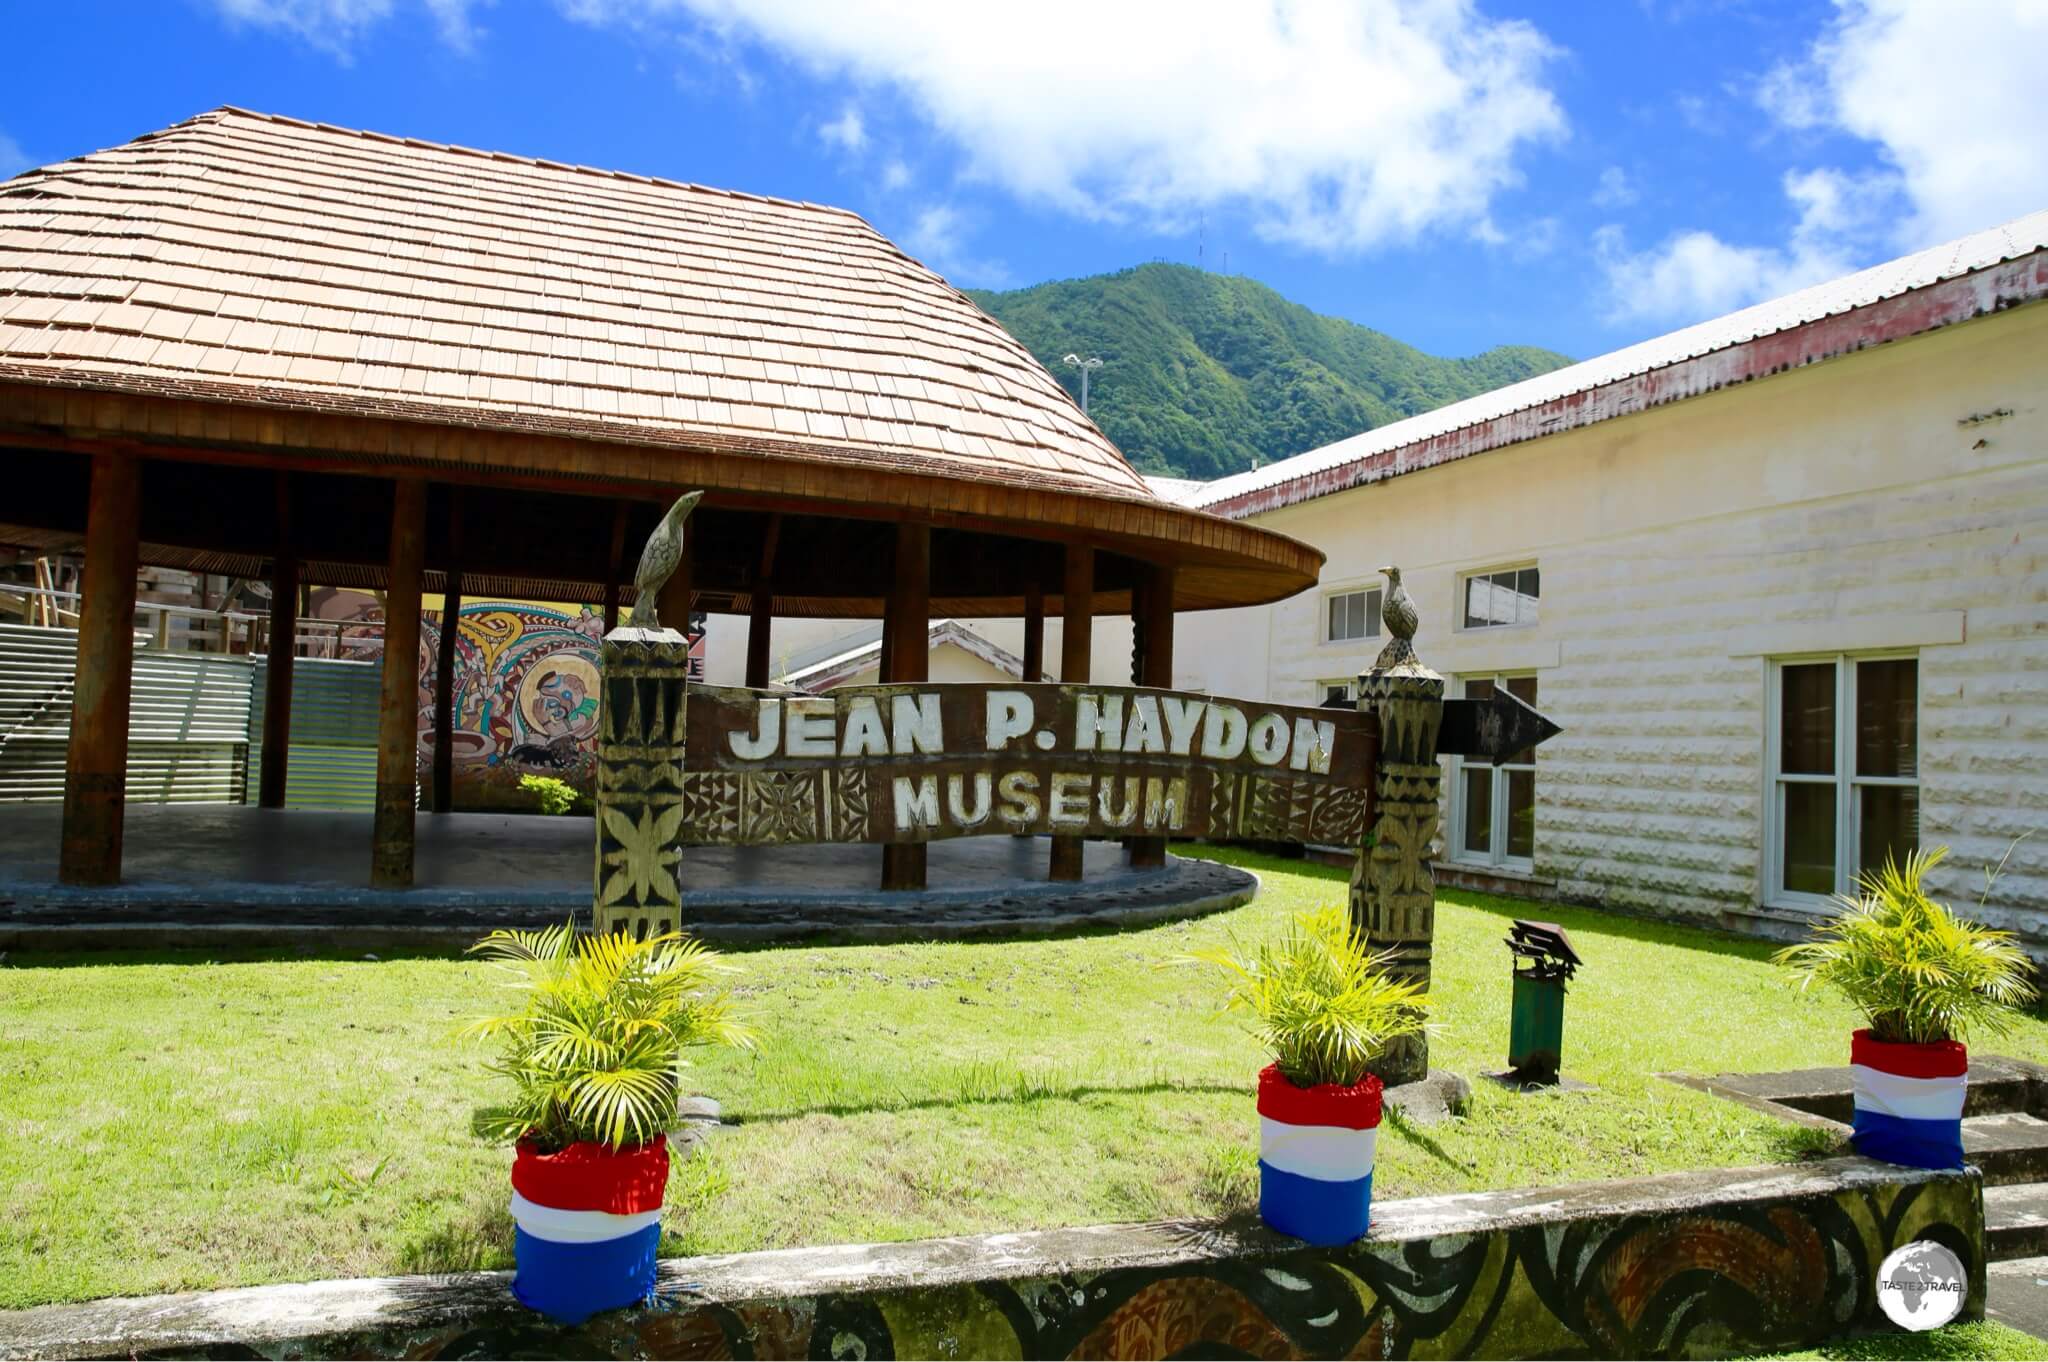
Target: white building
[1782, 577]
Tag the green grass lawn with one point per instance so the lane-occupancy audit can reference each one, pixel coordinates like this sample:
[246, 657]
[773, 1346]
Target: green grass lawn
[171, 1122]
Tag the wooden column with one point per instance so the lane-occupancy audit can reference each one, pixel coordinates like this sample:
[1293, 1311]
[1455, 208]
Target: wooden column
[679, 591]
[444, 693]
[444, 663]
[906, 638]
[1077, 635]
[96, 765]
[617, 569]
[398, 723]
[1155, 632]
[1034, 634]
[761, 621]
[277, 675]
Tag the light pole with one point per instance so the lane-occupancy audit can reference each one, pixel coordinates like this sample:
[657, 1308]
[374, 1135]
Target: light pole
[1085, 366]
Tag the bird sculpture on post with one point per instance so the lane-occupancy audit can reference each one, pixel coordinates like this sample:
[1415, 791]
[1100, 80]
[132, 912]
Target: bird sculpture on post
[1399, 617]
[658, 562]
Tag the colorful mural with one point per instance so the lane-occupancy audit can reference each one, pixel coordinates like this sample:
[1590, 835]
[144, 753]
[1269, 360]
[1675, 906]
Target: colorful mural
[1717, 1263]
[526, 699]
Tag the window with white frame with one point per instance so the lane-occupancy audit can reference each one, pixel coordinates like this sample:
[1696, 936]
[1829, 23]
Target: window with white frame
[1499, 598]
[1337, 692]
[1493, 808]
[1844, 748]
[1352, 615]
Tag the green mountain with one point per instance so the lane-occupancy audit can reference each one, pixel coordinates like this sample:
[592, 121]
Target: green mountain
[1205, 374]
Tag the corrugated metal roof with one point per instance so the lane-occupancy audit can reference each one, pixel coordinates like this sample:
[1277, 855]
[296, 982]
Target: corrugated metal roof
[264, 259]
[1319, 471]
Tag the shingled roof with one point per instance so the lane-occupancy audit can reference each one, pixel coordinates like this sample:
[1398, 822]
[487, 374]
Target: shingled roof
[244, 290]
[285, 263]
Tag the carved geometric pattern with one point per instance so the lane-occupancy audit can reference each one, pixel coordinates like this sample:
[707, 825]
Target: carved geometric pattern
[637, 883]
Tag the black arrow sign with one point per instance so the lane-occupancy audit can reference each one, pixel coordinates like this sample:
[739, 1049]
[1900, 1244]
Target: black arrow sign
[1492, 729]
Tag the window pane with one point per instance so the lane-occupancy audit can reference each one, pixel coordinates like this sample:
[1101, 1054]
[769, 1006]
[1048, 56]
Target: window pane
[1523, 688]
[1888, 819]
[1477, 593]
[1336, 629]
[1521, 813]
[1806, 743]
[1886, 717]
[1372, 614]
[1809, 832]
[1479, 810]
[1479, 688]
[1333, 690]
[1354, 614]
[1525, 596]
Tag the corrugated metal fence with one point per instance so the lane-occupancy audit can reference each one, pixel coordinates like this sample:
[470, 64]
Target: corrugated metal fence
[195, 725]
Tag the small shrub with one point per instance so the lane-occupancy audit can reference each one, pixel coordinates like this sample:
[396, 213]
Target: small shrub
[1324, 1005]
[1915, 971]
[596, 1052]
[555, 796]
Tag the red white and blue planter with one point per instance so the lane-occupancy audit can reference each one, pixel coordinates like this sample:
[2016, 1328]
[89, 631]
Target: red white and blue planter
[587, 1220]
[1315, 1156]
[1909, 1100]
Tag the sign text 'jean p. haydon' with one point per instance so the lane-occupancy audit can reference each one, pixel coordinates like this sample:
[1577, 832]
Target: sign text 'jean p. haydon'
[587, 1221]
[1909, 1101]
[1315, 1156]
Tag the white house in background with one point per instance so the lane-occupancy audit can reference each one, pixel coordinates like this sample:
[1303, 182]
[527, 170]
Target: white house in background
[1782, 577]
[958, 655]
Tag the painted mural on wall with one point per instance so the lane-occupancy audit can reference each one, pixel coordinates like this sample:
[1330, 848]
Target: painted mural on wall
[1760, 1274]
[526, 699]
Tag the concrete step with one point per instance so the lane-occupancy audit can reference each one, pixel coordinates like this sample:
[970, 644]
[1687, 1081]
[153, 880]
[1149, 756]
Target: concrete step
[2011, 1147]
[1996, 1084]
[2015, 1221]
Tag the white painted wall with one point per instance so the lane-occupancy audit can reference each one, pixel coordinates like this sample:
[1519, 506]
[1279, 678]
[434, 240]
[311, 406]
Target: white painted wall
[1837, 506]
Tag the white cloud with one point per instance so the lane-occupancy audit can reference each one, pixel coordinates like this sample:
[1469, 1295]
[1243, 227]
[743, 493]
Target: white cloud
[1951, 93]
[13, 160]
[1695, 274]
[1615, 191]
[847, 132]
[337, 26]
[895, 176]
[938, 237]
[1338, 127]
[1948, 94]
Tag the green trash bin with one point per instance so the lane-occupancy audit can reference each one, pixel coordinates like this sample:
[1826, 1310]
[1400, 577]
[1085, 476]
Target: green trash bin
[1543, 962]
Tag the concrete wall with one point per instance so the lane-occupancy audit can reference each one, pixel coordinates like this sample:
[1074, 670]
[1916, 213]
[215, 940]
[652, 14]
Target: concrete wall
[1721, 1263]
[1856, 505]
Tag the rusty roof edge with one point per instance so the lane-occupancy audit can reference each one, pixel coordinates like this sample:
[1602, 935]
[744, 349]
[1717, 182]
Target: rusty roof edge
[2012, 281]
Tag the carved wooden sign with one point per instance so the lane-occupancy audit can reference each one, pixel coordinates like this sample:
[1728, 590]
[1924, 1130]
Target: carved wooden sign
[915, 763]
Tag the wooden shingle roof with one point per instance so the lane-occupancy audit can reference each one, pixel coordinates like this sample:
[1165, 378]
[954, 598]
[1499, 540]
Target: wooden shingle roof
[654, 332]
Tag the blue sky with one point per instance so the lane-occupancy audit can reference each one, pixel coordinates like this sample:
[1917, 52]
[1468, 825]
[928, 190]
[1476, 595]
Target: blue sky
[1458, 175]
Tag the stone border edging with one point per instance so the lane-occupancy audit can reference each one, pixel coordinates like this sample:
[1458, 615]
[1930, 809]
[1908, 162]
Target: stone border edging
[1613, 1268]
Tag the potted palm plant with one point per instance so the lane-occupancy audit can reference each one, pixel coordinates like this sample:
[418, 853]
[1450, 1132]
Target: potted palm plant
[1325, 1008]
[595, 1058]
[1923, 979]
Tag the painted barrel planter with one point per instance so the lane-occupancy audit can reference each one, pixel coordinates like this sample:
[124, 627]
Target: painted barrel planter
[1315, 1156]
[586, 1223]
[1909, 1100]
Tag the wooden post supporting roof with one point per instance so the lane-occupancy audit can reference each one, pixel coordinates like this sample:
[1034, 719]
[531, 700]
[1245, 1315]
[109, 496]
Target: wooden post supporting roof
[391, 851]
[277, 673]
[1034, 634]
[617, 559]
[96, 765]
[1077, 636]
[761, 619]
[906, 636]
[444, 666]
[1155, 632]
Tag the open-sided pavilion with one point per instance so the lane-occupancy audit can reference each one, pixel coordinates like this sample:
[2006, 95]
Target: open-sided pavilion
[256, 346]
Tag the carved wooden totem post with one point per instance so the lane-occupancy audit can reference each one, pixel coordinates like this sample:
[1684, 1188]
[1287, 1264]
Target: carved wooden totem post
[1393, 890]
[645, 669]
